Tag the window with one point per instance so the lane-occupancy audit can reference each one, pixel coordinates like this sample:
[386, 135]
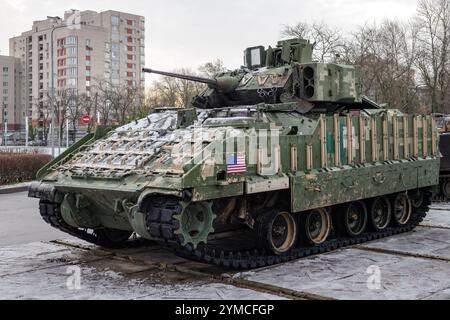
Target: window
[115, 21]
[115, 29]
[115, 46]
[71, 40]
[72, 61]
[72, 82]
[115, 37]
[88, 53]
[5, 84]
[72, 72]
[88, 83]
[88, 73]
[5, 69]
[72, 51]
[88, 63]
[256, 57]
[115, 54]
[88, 42]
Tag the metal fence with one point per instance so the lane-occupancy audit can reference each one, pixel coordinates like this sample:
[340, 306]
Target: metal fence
[21, 141]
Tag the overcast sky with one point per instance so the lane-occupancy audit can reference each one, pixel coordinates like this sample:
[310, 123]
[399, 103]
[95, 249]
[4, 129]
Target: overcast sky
[188, 33]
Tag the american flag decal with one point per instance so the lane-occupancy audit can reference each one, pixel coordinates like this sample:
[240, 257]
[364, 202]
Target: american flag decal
[236, 164]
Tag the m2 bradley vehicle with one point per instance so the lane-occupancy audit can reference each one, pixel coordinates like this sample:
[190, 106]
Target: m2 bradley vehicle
[278, 160]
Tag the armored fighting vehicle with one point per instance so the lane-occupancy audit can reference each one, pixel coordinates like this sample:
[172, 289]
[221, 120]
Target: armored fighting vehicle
[442, 192]
[280, 159]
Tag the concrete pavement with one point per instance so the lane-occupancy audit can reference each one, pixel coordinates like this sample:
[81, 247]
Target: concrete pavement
[20, 222]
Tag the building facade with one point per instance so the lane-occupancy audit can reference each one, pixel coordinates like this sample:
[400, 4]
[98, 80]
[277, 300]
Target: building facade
[88, 47]
[10, 104]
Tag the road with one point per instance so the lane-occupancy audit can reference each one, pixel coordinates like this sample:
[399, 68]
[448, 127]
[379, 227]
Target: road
[20, 222]
[411, 266]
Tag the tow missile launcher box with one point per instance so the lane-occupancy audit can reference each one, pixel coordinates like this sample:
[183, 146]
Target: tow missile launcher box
[277, 160]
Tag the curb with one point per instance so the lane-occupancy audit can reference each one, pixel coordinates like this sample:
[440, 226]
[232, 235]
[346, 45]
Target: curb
[9, 190]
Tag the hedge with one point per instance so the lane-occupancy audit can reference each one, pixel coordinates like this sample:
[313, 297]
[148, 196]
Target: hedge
[21, 167]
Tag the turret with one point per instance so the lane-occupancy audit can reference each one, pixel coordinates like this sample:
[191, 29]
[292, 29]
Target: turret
[284, 74]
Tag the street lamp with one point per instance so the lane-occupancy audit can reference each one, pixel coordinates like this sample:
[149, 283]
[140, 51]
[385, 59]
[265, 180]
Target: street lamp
[5, 125]
[53, 82]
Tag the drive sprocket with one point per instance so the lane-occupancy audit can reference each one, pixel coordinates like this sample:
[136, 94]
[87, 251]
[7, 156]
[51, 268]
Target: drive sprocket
[172, 221]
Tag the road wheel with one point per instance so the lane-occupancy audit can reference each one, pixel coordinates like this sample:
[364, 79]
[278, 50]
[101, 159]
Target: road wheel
[277, 231]
[446, 189]
[402, 208]
[111, 238]
[353, 221]
[315, 226]
[417, 198]
[380, 213]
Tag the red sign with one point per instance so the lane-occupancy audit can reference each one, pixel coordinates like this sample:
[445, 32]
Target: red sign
[86, 120]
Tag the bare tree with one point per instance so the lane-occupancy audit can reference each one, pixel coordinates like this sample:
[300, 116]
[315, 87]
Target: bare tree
[62, 104]
[44, 107]
[104, 99]
[74, 111]
[386, 54]
[123, 105]
[89, 108]
[433, 39]
[210, 69]
[167, 90]
[328, 42]
[186, 90]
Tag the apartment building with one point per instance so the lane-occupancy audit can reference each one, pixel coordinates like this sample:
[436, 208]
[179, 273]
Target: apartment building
[88, 47]
[10, 94]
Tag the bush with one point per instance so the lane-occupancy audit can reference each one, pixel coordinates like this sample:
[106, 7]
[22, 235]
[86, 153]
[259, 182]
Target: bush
[20, 167]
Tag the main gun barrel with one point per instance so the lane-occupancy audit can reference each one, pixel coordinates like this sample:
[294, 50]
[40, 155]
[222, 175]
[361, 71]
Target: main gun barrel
[211, 82]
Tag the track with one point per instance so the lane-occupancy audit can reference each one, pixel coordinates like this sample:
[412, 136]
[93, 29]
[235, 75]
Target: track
[222, 250]
[221, 253]
[51, 214]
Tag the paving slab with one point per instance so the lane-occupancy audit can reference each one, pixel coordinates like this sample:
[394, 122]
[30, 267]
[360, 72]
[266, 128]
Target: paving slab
[344, 275]
[425, 241]
[438, 218]
[39, 255]
[103, 278]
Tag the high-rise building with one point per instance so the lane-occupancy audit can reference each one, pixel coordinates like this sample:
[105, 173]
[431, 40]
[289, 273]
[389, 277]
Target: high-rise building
[10, 90]
[88, 47]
